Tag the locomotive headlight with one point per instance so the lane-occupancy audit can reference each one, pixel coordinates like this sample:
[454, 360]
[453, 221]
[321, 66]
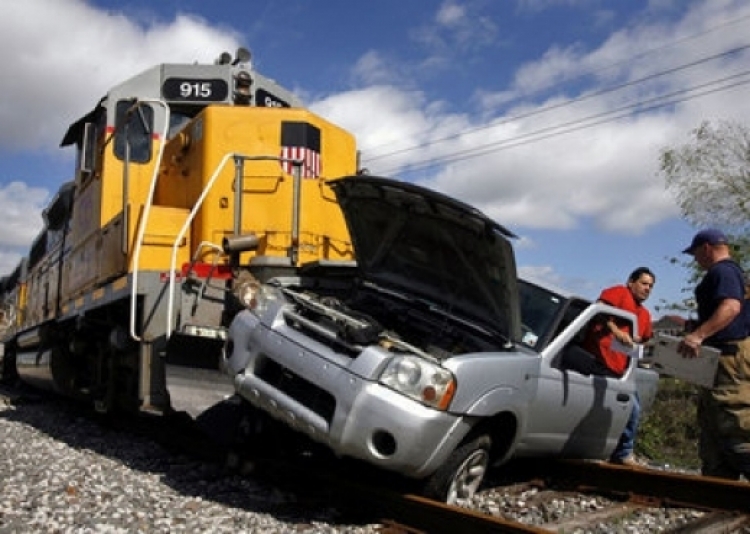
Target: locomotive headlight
[420, 380]
[242, 87]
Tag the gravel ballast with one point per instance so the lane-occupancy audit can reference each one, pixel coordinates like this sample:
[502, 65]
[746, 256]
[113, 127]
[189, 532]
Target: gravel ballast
[63, 472]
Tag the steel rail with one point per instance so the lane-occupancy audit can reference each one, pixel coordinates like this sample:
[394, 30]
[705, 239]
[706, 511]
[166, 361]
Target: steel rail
[652, 486]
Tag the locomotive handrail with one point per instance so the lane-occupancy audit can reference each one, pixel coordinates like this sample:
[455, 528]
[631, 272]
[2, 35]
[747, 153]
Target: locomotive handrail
[146, 210]
[194, 260]
[193, 212]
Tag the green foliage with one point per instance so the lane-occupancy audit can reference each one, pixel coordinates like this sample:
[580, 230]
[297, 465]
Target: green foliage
[709, 177]
[668, 432]
[740, 252]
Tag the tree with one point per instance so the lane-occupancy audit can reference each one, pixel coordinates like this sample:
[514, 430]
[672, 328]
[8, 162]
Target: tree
[709, 177]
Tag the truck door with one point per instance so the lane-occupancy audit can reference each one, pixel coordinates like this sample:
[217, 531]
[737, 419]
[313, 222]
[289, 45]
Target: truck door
[579, 416]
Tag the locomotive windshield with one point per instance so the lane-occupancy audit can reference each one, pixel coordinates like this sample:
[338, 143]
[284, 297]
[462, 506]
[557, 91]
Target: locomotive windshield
[135, 127]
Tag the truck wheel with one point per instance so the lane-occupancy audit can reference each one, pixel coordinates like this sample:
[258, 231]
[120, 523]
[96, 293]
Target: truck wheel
[462, 473]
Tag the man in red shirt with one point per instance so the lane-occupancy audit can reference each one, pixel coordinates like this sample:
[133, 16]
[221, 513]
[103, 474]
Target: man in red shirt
[609, 362]
[629, 297]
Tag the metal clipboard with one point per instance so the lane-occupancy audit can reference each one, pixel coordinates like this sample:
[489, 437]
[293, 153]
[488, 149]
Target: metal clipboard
[666, 360]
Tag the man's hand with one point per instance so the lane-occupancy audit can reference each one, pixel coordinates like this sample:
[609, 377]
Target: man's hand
[690, 346]
[620, 335]
[625, 339]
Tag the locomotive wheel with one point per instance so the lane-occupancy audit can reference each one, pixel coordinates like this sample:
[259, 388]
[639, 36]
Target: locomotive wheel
[9, 372]
[463, 472]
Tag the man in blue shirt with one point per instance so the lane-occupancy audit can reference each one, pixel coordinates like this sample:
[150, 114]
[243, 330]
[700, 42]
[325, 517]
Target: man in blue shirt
[723, 323]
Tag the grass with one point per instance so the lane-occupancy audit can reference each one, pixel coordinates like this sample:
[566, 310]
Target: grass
[668, 432]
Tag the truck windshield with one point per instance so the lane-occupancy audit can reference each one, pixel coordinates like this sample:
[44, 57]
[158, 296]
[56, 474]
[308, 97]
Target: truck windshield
[539, 308]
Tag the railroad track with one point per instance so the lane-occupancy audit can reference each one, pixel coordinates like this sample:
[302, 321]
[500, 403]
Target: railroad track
[606, 498]
[616, 495]
[525, 497]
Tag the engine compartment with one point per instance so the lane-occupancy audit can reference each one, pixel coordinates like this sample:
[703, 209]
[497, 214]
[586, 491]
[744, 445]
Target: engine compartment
[352, 316]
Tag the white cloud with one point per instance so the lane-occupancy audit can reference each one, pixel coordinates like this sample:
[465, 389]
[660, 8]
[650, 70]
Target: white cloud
[455, 31]
[539, 272]
[450, 14]
[554, 163]
[21, 207]
[9, 260]
[61, 56]
[388, 120]
[373, 69]
[547, 275]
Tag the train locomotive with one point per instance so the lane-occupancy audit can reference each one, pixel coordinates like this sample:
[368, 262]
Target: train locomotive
[193, 183]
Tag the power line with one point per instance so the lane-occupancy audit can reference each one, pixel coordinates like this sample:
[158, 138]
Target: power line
[578, 124]
[585, 122]
[632, 59]
[545, 109]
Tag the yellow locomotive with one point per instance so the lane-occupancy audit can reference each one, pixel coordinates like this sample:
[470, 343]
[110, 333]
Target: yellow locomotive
[190, 180]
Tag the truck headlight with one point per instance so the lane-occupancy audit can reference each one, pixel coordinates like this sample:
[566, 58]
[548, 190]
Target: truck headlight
[420, 380]
[254, 295]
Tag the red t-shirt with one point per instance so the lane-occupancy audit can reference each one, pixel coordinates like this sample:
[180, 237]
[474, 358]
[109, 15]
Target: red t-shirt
[599, 338]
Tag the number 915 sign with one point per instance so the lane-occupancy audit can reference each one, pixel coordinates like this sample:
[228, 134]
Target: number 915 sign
[186, 89]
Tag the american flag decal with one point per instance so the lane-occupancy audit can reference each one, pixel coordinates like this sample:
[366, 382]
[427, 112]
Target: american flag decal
[300, 141]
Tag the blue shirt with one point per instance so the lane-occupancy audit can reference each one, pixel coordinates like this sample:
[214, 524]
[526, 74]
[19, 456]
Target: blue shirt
[723, 280]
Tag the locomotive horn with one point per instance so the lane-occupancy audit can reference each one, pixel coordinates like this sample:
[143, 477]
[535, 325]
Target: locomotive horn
[240, 243]
[224, 59]
[243, 56]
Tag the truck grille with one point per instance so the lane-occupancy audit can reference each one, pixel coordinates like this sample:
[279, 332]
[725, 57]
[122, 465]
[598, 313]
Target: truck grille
[309, 395]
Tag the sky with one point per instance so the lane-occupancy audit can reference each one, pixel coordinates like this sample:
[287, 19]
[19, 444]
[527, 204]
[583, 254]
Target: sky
[547, 115]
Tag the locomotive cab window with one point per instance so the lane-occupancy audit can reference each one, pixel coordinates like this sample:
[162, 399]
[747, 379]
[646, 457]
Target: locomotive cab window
[87, 154]
[134, 127]
[88, 135]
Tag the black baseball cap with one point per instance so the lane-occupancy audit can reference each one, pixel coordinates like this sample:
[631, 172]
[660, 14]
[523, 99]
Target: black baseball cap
[712, 236]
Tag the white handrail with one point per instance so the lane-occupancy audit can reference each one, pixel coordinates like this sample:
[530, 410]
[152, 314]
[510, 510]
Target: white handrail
[146, 213]
[181, 235]
[191, 216]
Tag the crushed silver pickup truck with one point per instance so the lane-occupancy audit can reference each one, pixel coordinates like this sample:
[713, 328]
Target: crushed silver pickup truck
[427, 357]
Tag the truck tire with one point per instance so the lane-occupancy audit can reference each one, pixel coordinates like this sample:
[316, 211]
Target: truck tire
[463, 472]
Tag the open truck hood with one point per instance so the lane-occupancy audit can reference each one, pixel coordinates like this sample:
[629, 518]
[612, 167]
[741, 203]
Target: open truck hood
[432, 248]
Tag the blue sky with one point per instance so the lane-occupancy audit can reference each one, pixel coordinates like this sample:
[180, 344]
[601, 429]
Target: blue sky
[548, 115]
